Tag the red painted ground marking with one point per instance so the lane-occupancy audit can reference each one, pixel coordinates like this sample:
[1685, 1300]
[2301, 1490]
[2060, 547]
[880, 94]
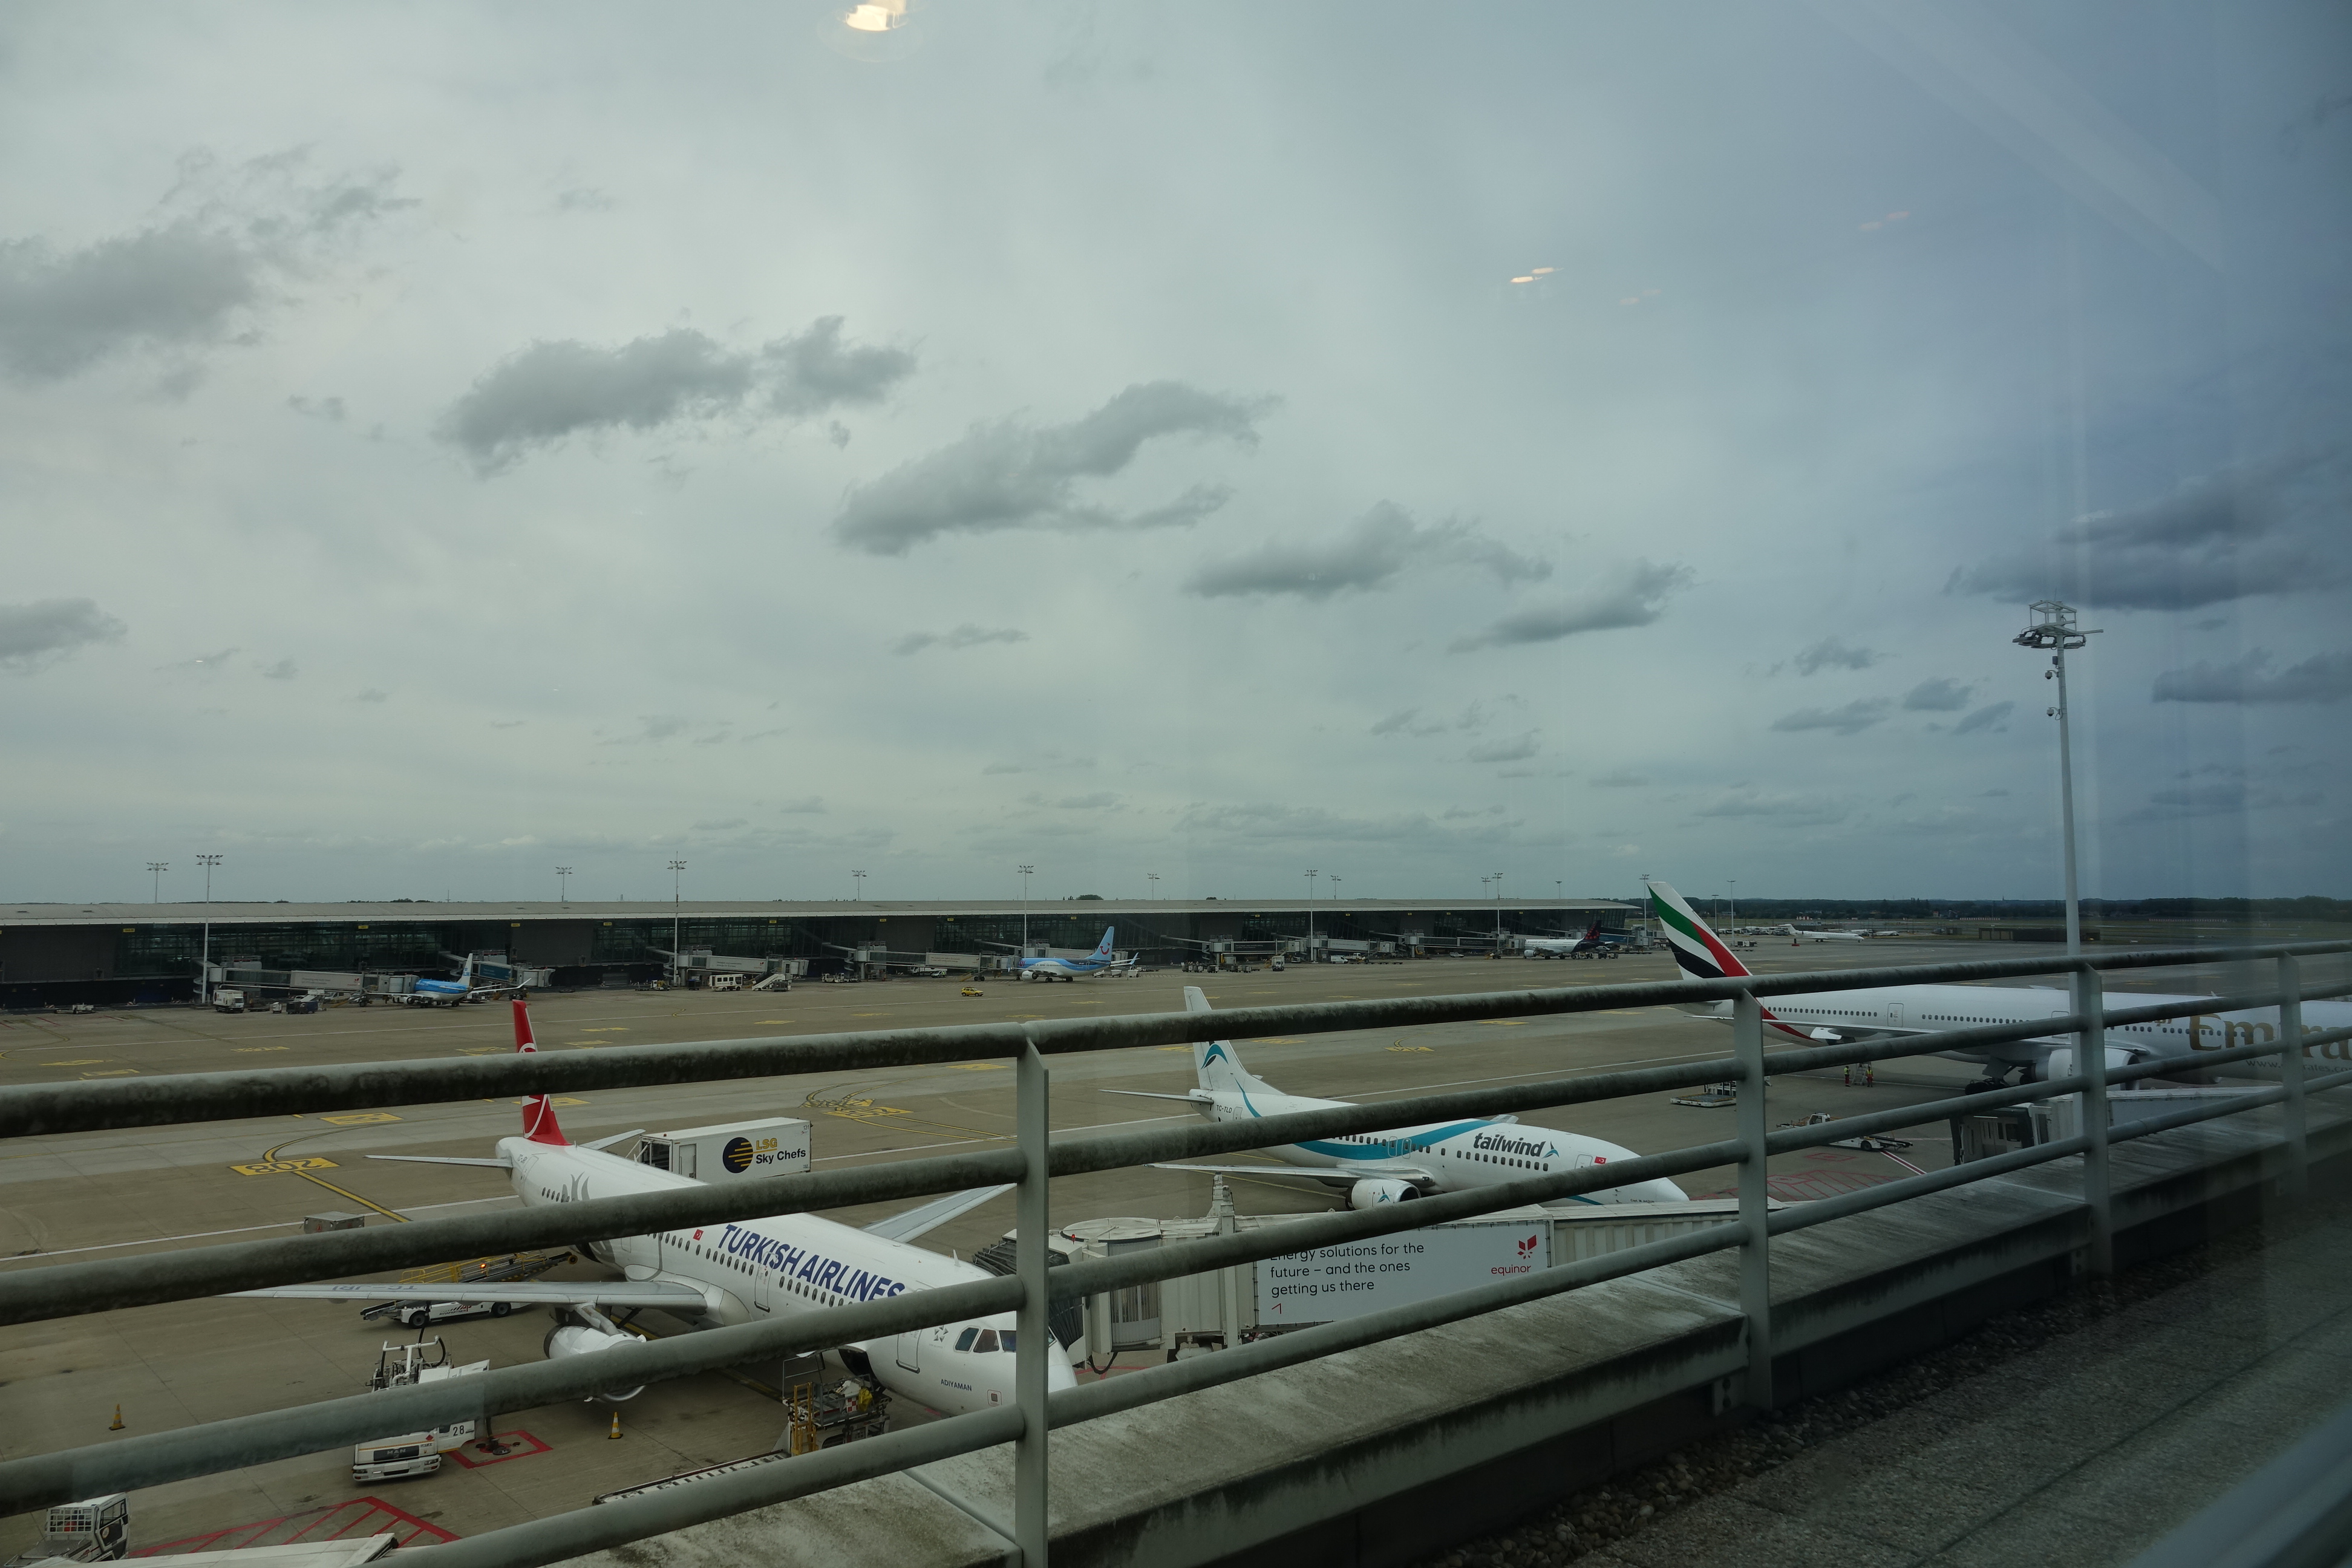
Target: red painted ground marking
[359, 1516]
[524, 1443]
[1827, 1156]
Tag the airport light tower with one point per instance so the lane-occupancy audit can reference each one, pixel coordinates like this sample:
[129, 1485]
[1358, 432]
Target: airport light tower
[1025, 871]
[2055, 631]
[157, 869]
[1311, 875]
[563, 888]
[205, 974]
[677, 949]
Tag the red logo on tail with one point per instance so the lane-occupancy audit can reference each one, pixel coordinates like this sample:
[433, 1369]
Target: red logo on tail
[537, 1115]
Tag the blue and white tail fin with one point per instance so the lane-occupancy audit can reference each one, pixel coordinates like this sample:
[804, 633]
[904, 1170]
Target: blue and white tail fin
[466, 973]
[1216, 1066]
[1102, 947]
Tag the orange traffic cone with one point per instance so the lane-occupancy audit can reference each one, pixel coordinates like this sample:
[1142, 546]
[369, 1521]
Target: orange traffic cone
[118, 1420]
[615, 1432]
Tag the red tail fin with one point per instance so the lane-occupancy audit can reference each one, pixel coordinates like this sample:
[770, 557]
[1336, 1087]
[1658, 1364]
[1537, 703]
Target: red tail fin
[538, 1116]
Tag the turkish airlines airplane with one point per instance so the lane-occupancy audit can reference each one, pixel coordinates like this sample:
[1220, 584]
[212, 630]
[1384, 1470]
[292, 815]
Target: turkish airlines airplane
[721, 1275]
[1826, 1017]
[1395, 1166]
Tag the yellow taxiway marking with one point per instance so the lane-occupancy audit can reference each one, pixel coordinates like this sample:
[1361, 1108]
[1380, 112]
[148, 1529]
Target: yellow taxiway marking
[360, 1118]
[465, 1051]
[278, 1167]
[249, 1050]
[558, 1099]
[1505, 1023]
[114, 1072]
[615, 1029]
[771, 1020]
[79, 1062]
[1412, 1048]
[989, 1066]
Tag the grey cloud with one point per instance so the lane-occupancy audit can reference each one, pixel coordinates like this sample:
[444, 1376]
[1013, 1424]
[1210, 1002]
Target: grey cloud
[1008, 475]
[963, 636]
[2246, 531]
[184, 282]
[1512, 750]
[1043, 763]
[1940, 695]
[1466, 813]
[1635, 597]
[2323, 678]
[806, 805]
[330, 409]
[36, 635]
[1262, 823]
[653, 729]
[1799, 809]
[205, 663]
[582, 199]
[1101, 800]
[1851, 720]
[1830, 652]
[1405, 721]
[718, 827]
[549, 391]
[284, 669]
[371, 695]
[507, 723]
[1990, 717]
[1372, 552]
[1621, 779]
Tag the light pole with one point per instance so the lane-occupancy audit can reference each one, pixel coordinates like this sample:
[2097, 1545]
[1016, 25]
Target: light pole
[158, 868]
[1733, 883]
[204, 975]
[677, 948]
[858, 879]
[1025, 871]
[1498, 914]
[1311, 875]
[1153, 878]
[2055, 631]
[563, 888]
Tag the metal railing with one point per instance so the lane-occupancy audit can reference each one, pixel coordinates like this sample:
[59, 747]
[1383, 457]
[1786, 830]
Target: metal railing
[34, 1294]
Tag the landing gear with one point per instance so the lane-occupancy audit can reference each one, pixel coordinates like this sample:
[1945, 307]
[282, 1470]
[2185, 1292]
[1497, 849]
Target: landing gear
[1987, 1085]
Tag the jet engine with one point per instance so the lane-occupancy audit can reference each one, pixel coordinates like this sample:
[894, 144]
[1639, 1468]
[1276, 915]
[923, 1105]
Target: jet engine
[2059, 1063]
[1372, 1195]
[571, 1338]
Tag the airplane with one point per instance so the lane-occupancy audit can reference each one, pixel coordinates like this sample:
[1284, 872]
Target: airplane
[720, 1275]
[1810, 933]
[1401, 1164]
[1095, 966]
[1827, 1017]
[1590, 944]
[449, 992]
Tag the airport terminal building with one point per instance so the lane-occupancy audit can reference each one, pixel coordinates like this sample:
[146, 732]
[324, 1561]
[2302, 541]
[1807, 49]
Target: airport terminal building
[53, 954]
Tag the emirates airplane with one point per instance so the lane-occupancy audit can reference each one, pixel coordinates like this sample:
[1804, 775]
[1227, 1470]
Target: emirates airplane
[1832, 1016]
[720, 1275]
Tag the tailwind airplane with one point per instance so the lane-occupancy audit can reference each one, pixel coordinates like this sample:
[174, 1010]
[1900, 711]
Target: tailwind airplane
[1100, 962]
[1400, 1164]
[721, 1275]
[1824, 1018]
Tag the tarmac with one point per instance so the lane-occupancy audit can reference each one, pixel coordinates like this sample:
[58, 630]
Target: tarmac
[106, 1195]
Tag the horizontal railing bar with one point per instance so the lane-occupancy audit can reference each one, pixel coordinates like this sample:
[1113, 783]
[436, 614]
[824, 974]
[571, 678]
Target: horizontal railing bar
[33, 1295]
[149, 1459]
[1093, 1277]
[1147, 1384]
[2251, 1099]
[605, 1525]
[1798, 1217]
[35, 1108]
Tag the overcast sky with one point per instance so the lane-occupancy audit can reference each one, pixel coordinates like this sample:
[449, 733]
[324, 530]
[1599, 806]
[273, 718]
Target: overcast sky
[442, 443]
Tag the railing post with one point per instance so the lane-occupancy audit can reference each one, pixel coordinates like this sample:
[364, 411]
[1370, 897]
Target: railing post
[2091, 1061]
[1035, 1220]
[1755, 1208]
[2298, 1153]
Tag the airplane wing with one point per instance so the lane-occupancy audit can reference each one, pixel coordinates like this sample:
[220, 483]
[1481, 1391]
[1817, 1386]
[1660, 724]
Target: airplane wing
[1197, 1096]
[448, 1159]
[930, 1216]
[522, 1293]
[1329, 1175]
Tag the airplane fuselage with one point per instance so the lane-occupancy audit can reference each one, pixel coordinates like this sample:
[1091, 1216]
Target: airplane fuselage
[762, 1270]
[1456, 1156]
[1914, 1008]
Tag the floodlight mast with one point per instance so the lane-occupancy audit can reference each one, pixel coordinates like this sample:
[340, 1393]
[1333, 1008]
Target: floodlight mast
[2055, 632]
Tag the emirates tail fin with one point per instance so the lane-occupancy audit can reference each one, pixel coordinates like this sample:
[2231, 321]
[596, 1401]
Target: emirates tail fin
[1698, 952]
[538, 1116]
